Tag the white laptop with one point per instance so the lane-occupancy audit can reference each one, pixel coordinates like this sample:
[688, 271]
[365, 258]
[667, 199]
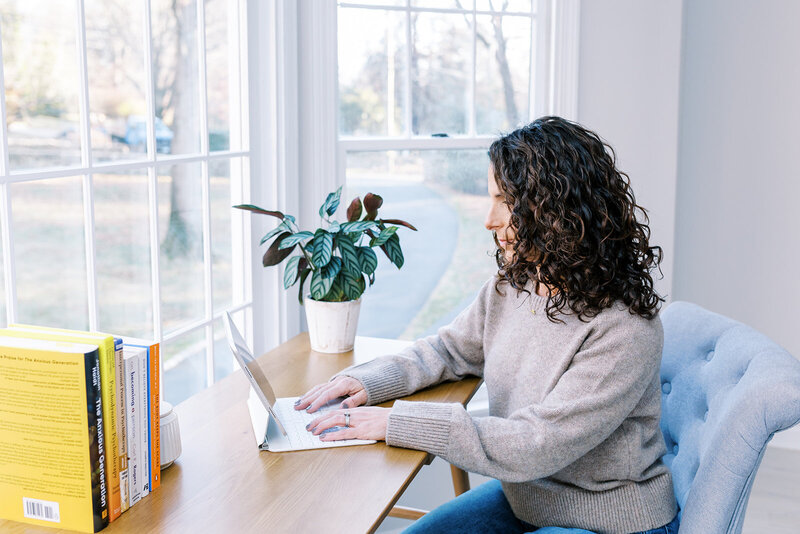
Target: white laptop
[277, 425]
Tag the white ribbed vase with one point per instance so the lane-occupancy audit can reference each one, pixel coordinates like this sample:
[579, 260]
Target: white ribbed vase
[170, 435]
[332, 325]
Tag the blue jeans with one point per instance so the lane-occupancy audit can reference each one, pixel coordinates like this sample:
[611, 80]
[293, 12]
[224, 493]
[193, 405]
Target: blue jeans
[485, 510]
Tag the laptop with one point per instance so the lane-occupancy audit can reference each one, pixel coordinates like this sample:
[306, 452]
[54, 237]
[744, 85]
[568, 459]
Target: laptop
[278, 427]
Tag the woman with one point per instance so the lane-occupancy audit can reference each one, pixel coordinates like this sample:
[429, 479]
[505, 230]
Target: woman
[568, 341]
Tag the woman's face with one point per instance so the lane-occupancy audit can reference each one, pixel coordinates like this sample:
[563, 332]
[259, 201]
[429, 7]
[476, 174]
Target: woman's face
[498, 220]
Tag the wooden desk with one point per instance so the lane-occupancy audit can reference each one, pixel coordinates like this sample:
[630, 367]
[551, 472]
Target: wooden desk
[222, 483]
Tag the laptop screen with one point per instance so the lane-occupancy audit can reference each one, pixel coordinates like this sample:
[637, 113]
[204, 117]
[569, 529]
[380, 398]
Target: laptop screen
[246, 360]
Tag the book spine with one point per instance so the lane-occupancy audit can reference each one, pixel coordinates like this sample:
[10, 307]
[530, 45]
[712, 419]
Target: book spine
[109, 395]
[154, 382]
[100, 514]
[122, 433]
[144, 435]
[131, 401]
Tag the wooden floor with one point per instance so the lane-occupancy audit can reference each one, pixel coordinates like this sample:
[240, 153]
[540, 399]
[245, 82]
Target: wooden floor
[774, 506]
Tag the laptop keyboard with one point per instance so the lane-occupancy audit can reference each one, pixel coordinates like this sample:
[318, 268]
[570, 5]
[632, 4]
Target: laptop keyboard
[295, 422]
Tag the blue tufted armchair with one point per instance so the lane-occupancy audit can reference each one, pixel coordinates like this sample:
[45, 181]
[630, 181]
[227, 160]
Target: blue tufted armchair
[726, 390]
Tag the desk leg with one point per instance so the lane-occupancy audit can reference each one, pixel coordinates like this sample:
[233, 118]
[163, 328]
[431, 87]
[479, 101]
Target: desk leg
[460, 480]
[404, 512]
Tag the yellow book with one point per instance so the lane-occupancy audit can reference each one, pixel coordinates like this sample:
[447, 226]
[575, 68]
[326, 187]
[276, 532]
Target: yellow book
[109, 395]
[52, 435]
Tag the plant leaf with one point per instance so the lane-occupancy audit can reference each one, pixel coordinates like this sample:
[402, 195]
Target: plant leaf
[320, 285]
[282, 227]
[354, 210]
[352, 285]
[398, 221]
[357, 226]
[295, 239]
[349, 255]
[291, 272]
[334, 205]
[383, 236]
[333, 268]
[322, 279]
[303, 276]
[323, 248]
[372, 203]
[334, 227]
[274, 255]
[256, 209]
[331, 203]
[367, 259]
[336, 294]
[392, 250]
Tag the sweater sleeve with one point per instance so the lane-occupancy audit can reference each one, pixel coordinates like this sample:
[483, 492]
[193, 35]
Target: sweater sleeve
[454, 352]
[603, 384]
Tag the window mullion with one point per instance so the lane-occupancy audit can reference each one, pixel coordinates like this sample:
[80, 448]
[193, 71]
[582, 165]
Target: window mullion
[5, 206]
[86, 161]
[152, 180]
[473, 72]
[532, 51]
[409, 43]
[9, 265]
[206, 194]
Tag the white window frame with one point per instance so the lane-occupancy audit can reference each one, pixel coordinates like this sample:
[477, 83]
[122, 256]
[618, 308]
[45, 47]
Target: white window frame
[294, 123]
[553, 79]
[241, 14]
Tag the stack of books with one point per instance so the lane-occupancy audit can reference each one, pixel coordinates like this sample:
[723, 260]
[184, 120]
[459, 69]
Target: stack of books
[79, 426]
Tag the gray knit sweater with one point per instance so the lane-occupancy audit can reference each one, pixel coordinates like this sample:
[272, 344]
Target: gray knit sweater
[574, 408]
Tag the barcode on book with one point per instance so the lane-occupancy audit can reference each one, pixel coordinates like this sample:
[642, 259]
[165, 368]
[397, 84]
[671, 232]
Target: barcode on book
[38, 509]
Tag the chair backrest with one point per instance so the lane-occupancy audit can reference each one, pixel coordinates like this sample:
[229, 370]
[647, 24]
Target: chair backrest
[726, 389]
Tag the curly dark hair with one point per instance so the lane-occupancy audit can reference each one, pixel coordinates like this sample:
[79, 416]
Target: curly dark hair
[574, 215]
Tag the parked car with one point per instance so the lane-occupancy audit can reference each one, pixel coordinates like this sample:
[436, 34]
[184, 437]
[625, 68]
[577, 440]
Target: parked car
[136, 135]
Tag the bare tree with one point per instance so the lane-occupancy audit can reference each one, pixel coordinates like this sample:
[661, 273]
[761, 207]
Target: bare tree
[502, 63]
[184, 235]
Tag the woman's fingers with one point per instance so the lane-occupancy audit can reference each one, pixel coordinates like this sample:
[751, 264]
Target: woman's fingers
[325, 396]
[342, 433]
[355, 400]
[306, 399]
[326, 421]
[365, 423]
[316, 392]
[342, 386]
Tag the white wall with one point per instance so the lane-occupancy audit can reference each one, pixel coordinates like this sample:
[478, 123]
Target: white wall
[628, 94]
[737, 231]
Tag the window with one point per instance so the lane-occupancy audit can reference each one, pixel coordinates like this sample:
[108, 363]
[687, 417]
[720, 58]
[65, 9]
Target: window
[124, 147]
[424, 88]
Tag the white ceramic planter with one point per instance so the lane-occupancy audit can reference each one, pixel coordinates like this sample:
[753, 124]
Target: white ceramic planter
[332, 325]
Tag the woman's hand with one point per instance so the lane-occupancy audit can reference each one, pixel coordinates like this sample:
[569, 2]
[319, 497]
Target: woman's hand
[364, 423]
[341, 386]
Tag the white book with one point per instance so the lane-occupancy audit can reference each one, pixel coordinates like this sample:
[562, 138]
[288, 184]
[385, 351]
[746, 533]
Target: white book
[144, 421]
[133, 408]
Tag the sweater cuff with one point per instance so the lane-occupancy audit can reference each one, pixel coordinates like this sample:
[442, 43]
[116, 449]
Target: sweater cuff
[382, 382]
[424, 426]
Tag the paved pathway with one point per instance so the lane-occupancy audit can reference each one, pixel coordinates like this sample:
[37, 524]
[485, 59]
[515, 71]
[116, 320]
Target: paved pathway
[397, 295]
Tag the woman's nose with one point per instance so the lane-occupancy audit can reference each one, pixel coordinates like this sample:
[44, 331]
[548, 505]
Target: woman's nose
[491, 222]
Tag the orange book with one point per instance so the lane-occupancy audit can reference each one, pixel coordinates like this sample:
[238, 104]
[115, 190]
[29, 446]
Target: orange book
[154, 396]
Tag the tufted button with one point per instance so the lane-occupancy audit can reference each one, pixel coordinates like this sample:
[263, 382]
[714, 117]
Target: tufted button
[675, 449]
[705, 416]
[666, 387]
[709, 355]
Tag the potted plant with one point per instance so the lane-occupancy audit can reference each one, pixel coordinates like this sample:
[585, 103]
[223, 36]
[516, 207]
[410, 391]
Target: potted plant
[340, 261]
